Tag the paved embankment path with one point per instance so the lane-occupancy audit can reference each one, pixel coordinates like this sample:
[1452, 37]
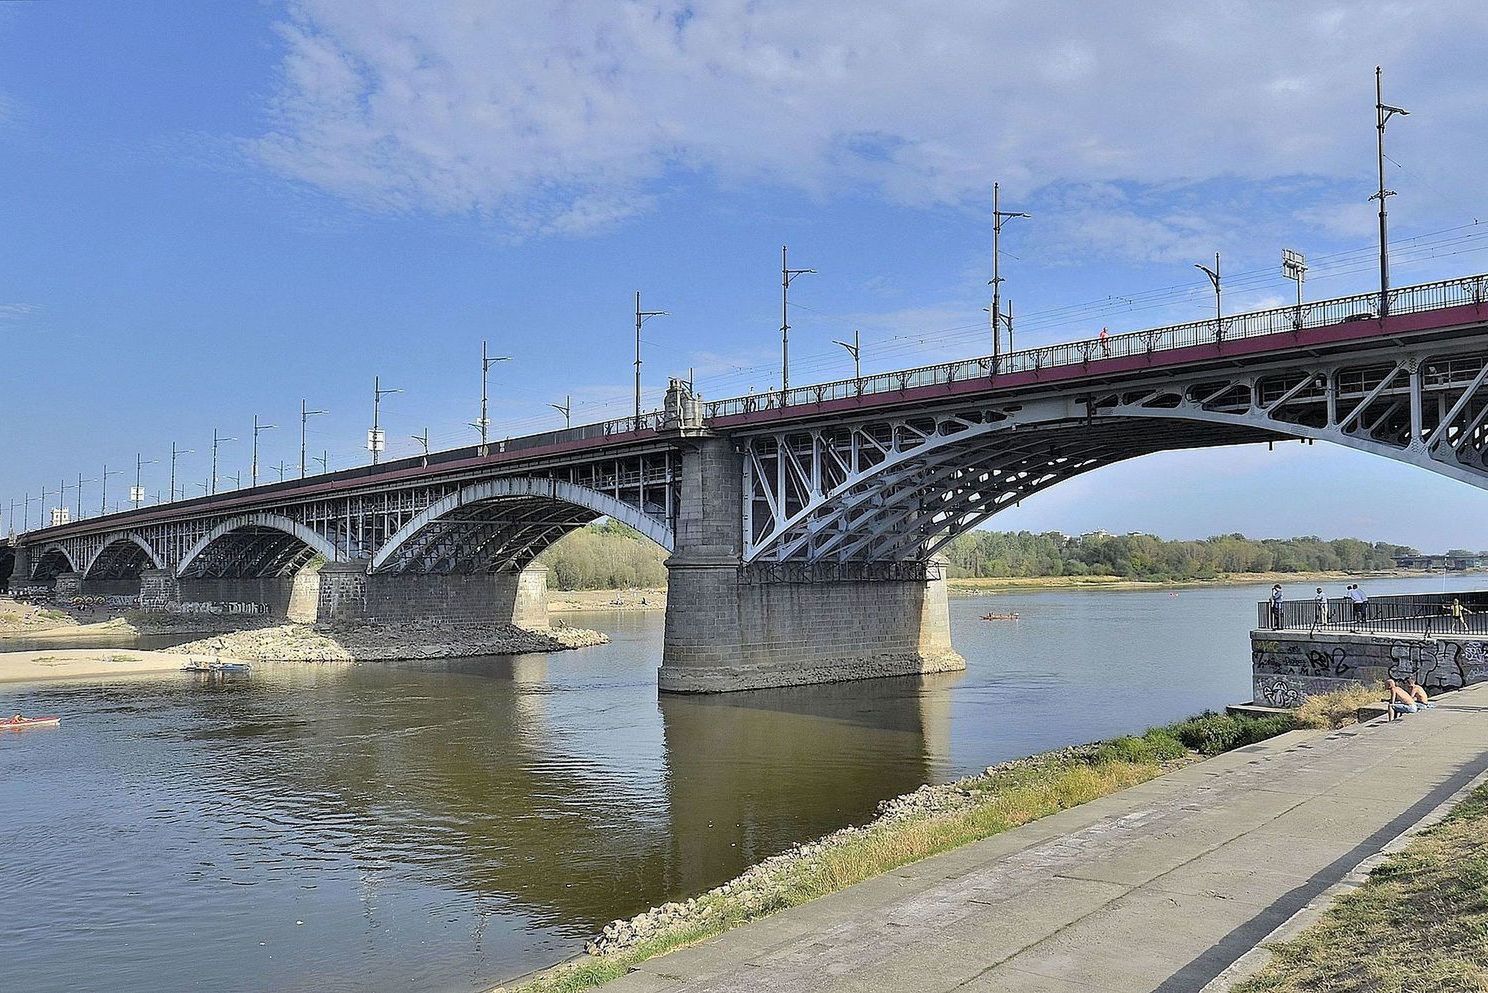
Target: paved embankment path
[1159, 887]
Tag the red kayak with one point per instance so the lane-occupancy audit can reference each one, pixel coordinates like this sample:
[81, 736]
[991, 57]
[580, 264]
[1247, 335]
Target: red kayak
[18, 722]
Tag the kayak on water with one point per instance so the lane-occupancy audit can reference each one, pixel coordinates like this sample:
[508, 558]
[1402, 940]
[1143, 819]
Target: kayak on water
[17, 722]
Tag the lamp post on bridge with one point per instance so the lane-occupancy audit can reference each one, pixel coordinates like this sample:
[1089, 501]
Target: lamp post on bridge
[305, 416]
[137, 495]
[566, 409]
[787, 276]
[80, 483]
[257, 430]
[641, 317]
[103, 481]
[61, 503]
[375, 441]
[176, 453]
[856, 351]
[1382, 114]
[216, 440]
[236, 477]
[1213, 275]
[999, 217]
[1294, 267]
[486, 362]
[325, 461]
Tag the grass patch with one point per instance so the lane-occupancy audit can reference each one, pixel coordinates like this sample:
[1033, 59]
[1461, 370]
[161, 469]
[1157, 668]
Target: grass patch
[1338, 708]
[966, 811]
[1420, 922]
[52, 614]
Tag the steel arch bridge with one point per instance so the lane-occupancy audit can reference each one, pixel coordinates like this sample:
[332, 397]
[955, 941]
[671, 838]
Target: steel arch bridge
[840, 484]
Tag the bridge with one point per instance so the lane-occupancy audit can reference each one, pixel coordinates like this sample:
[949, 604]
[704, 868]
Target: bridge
[804, 526]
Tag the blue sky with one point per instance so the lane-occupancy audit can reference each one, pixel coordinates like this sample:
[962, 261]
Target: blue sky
[211, 211]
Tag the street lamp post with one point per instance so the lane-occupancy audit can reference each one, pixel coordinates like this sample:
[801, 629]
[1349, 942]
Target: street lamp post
[999, 216]
[1382, 114]
[856, 351]
[375, 441]
[486, 362]
[305, 416]
[80, 483]
[175, 454]
[103, 485]
[787, 276]
[216, 440]
[566, 409]
[1213, 275]
[1294, 267]
[423, 440]
[641, 317]
[257, 429]
[137, 495]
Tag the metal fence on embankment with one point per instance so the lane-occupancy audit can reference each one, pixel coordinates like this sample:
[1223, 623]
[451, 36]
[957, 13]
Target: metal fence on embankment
[1420, 613]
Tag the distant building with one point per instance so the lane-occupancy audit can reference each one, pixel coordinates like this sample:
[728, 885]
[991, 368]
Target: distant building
[1096, 535]
[1451, 563]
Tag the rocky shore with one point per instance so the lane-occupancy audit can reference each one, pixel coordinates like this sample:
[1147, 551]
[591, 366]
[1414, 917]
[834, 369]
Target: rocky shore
[761, 886]
[280, 642]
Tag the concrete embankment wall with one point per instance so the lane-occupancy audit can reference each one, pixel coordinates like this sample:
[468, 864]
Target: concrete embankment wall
[1289, 666]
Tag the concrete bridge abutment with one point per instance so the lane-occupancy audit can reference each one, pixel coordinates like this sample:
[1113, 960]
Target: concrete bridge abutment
[736, 626]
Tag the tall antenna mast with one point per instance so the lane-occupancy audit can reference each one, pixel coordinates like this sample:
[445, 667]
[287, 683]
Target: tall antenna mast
[998, 217]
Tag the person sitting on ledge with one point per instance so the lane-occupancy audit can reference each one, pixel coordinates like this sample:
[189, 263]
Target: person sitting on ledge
[1400, 701]
[1417, 692]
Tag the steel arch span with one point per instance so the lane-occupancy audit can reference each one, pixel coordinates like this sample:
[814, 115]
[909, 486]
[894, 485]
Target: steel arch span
[503, 524]
[280, 545]
[118, 552]
[899, 488]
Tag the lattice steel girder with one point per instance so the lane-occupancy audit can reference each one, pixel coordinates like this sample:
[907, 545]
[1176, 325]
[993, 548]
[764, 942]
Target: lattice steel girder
[899, 484]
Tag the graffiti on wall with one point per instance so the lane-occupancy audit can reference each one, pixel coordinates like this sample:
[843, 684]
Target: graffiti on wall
[209, 607]
[1294, 659]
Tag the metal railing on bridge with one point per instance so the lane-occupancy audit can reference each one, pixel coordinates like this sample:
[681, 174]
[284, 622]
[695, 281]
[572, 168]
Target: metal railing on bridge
[1321, 313]
[1424, 614]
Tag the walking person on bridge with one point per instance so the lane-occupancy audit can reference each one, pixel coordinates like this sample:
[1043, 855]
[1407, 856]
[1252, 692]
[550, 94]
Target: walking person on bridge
[1276, 607]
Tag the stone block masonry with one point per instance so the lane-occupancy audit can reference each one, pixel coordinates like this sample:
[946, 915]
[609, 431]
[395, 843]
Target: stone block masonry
[1289, 666]
[347, 593]
[730, 626]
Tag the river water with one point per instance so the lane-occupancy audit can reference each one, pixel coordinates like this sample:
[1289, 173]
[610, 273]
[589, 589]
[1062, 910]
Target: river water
[444, 829]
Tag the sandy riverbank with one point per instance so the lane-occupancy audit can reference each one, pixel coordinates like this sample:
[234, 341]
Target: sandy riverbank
[963, 586]
[84, 663]
[627, 599]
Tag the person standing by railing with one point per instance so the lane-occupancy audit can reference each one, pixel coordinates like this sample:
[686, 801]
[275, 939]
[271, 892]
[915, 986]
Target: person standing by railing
[1276, 607]
[1457, 610]
[1359, 600]
[1319, 609]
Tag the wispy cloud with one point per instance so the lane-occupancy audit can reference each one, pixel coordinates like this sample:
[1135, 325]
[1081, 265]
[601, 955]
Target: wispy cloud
[18, 311]
[574, 117]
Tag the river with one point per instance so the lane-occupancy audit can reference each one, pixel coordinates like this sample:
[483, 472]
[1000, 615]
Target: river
[444, 829]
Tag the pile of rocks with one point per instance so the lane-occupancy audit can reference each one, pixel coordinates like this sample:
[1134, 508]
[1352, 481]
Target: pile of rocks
[385, 643]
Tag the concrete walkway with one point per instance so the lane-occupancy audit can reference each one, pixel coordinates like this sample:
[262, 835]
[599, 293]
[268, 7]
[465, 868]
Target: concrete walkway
[1160, 887]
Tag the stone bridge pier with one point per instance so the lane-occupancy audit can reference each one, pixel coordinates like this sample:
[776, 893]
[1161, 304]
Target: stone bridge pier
[348, 592]
[737, 626]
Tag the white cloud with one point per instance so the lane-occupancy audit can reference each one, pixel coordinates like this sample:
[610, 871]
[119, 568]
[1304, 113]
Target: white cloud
[573, 116]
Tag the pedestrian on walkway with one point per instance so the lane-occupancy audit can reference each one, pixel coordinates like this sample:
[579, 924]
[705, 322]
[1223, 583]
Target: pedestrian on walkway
[1457, 610]
[1359, 600]
[1276, 607]
[1319, 609]
[1105, 342]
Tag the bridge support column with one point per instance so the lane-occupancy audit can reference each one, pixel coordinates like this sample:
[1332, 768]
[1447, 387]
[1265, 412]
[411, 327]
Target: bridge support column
[158, 588]
[735, 627]
[69, 584]
[348, 593]
[20, 570]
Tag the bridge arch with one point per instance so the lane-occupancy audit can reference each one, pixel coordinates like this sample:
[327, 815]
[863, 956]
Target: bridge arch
[121, 551]
[52, 561]
[518, 517]
[305, 538]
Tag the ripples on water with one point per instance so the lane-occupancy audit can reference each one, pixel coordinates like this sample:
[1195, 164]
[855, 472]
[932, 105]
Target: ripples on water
[445, 828]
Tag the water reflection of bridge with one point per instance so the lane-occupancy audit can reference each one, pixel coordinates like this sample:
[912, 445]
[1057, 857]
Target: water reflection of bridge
[545, 799]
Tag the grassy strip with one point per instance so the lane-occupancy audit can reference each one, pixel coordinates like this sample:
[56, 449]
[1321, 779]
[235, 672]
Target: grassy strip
[910, 829]
[1420, 922]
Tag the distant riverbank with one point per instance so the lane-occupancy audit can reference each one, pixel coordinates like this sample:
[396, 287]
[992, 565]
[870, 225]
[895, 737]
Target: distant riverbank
[967, 586]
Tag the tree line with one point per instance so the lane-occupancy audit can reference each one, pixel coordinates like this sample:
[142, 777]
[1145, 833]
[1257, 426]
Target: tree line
[609, 555]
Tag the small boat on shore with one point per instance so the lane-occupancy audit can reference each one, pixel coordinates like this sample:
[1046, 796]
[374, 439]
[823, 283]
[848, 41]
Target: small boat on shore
[210, 667]
[19, 722]
[1000, 617]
